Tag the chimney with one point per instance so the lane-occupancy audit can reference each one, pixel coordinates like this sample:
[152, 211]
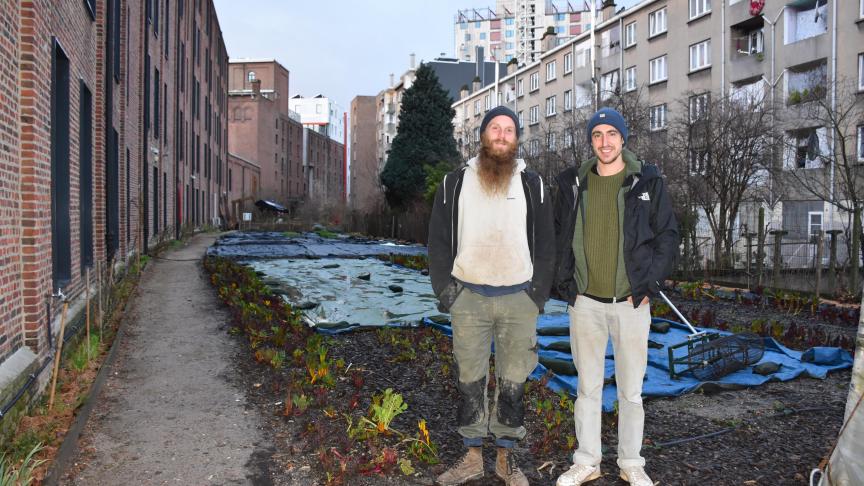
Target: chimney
[512, 66]
[463, 92]
[607, 10]
[549, 40]
[256, 88]
[411, 64]
[476, 84]
[391, 80]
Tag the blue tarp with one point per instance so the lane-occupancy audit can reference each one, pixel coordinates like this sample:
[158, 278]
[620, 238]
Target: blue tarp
[816, 363]
[248, 245]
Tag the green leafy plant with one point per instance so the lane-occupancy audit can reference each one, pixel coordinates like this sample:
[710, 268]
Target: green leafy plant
[301, 402]
[22, 475]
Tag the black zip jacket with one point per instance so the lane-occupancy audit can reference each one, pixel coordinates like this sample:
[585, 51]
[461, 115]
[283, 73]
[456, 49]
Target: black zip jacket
[650, 232]
[443, 244]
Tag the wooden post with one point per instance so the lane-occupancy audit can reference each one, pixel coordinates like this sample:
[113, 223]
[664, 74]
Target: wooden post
[87, 309]
[59, 354]
[817, 264]
[778, 249]
[832, 261]
[749, 264]
[760, 247]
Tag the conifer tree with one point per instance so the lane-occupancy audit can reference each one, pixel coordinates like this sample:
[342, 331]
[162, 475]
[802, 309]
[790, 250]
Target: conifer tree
[424, 139]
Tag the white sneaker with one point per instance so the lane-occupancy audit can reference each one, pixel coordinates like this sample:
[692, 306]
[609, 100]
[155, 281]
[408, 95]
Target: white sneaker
[636, 476]
[578, 474]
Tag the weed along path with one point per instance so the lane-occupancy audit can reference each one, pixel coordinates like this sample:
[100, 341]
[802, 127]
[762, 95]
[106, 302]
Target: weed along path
[172, 409]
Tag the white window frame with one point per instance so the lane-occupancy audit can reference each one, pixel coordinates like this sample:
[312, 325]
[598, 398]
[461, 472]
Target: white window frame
[533, 82]
[698, 160]
[568, 63]
[699, 8]
[520, 87]
[861, 68]
[657, 22]
[534, 115]
[698, 106]
[550, 141]
[477, 107]
[550, 71]
[657, 117]
[700, 55]
[812, 225]
[476, 135]
[568, 100]
[755, 41]
[521, 117]
[534, 148]
[860, 150]
[657, 69]
[861, 10]
[551, 106]
[630, 35]
[630, 79]
[487, 102]
[568, 139]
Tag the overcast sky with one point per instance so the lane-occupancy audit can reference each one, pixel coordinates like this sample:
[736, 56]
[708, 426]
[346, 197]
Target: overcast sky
[342, 48]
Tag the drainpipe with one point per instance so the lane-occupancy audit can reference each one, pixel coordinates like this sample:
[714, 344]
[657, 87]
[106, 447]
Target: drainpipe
[723, 49]
[594, 79]
[621, 52]
[832, 139]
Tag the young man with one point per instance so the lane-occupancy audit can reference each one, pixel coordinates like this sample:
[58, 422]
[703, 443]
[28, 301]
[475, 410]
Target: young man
[616, 239]
[491, 260]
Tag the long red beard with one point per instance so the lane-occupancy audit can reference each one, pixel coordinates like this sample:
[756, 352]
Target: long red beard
[495, 166]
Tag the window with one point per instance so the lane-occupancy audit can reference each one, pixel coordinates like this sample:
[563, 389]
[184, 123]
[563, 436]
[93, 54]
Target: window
[550, 71]
[700, 55]
[699, 105]
[560, 17]
[860, 143]
[509, 21]
[85, 178]
[805, 19]
[568, 139]
[476, 134]
[550, 106]
[482, 35]
[608, 85]
[658, 117]
[814, 223]
[657, 22]
[534, 115]
[61, 235]
[487, 102]
[700, 160]
[861, 9]
[508, 33]
[861, 68]
[467, 36]
[477, 107]
[699, 7]
[630, 34]
[568, 63]
[568, 100]
[521, 118]
[657, 70]
[520, 88]
[630, 79]
[805, 148]
[755, 42]
[534, 148]
[550, 141]
[251, 76]
[534, 81]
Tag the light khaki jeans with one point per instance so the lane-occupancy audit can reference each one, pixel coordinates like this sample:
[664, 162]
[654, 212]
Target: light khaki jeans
[511, 320]
[592, 323]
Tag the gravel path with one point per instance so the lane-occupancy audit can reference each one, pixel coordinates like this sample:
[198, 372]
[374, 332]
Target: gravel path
[171, 410]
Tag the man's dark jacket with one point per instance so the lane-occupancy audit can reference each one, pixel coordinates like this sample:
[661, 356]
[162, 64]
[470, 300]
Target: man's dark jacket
[649, 229]
[443, 232]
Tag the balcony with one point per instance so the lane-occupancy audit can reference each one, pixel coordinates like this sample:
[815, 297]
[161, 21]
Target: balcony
[806, 83]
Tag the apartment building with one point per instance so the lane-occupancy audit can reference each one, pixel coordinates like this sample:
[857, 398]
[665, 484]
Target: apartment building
[264, 132]
[365, 191]
[514, 28]
[677, 57]
[322, 114]
[108, 128]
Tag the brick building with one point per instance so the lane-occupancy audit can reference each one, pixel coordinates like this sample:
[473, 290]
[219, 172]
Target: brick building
[365, 191]
[323, 167]
[114, 137]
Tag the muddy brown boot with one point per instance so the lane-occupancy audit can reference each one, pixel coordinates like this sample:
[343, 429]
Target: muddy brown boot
[506, 468]
[468, 468]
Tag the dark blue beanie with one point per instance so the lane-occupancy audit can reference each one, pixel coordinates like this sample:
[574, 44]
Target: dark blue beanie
[498, 111]
[608, 116]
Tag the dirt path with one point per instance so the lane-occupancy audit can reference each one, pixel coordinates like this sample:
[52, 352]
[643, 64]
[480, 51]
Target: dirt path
[171, 410]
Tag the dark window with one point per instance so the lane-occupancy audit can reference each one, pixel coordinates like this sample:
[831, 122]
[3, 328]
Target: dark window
[230, 181]
[164, 200]
[61, 241]
[157, 90]
[182, 56]
[165, 111]
[91, 8]
[112, 176]
[156, 17]
[115, 39]
[146, 94]
[128, 199]
[155, 201]
[85, 178]
[149, 10]
[181, 7]
[165, 30]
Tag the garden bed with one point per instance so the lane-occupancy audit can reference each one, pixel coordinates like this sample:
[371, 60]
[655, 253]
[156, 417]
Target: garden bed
[319, 395]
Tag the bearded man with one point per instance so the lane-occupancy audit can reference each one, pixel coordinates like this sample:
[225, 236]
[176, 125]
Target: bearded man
[491, 260]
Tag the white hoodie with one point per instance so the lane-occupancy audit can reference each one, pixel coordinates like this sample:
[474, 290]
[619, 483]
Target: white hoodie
[493, 247]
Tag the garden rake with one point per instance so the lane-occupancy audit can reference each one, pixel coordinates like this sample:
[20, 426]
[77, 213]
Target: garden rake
[709, 356]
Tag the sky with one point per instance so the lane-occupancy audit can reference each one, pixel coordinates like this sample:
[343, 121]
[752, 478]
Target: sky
[342, 48]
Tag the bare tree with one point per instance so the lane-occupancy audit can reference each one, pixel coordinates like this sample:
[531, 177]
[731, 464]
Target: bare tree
[821, 159]
[721, 152]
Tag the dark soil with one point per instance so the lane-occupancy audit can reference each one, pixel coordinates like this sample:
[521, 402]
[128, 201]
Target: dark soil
[771, 435]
